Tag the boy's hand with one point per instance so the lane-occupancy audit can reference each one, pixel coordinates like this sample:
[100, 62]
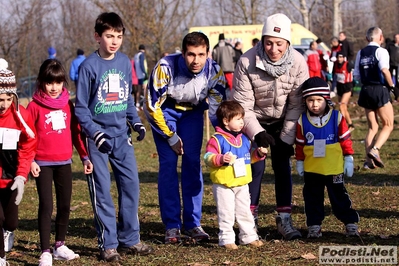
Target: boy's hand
[229, 158]
[348, 165]
[19, 184]
[299, 168]
[88, 167]
[139, 128]
[100, 139]
[34, 169]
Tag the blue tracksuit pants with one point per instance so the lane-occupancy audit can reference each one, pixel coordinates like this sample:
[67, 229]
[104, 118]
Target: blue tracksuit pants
[189, 127]
[112, 233]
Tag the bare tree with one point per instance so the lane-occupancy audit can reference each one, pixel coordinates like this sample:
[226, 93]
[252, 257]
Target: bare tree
[305, 9]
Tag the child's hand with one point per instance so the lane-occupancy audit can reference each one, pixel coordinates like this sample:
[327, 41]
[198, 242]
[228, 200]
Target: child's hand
[262, 151]
[34, 169]
[88, 167]
[229, 158]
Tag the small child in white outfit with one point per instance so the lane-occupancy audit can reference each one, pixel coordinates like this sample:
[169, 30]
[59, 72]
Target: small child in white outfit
[229, 155]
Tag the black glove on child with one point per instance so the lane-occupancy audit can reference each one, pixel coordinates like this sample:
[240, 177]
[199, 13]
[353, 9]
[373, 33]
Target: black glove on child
[262, 139]
[139, 128]
[100, 139]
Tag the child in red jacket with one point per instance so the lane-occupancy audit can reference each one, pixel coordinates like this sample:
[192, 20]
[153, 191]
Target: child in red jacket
[57, 130]
[17, 149]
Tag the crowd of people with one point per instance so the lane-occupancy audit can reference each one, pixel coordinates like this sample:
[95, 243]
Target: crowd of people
[270, 97]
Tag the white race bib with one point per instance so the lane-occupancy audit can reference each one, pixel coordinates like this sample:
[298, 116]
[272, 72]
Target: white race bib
[239, 168]
[319, 148]
[57, 120]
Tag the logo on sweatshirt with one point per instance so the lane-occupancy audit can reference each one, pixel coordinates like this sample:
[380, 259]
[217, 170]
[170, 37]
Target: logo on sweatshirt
[113, 93]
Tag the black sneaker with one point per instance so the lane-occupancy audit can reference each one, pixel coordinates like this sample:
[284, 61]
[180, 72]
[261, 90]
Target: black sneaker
[110, 255]
[138, 249]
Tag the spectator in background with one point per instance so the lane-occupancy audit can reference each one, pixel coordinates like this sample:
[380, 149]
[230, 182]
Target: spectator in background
[74, 70]
[393, 50]
[372, 69]
[52, 53]
[323, 60]
[335, 48]
[346, 48]
[254, 41]
[224, 54]
[140, 66]
[238, 51]
[312, 58]
[343, 71]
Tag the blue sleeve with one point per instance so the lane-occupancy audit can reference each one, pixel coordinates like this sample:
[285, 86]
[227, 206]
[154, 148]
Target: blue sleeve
[142, 63]
[131, 112]
[82, 110]
[217, 91]
[72, 72]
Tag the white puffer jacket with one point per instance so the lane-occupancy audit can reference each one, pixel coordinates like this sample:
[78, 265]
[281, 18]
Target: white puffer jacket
[268, 100]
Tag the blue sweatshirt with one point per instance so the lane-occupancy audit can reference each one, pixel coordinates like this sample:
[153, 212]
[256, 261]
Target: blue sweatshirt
[100, 104]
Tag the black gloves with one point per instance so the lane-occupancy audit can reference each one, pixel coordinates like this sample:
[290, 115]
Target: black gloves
[100, 139]
[262, 139]
[139, 128]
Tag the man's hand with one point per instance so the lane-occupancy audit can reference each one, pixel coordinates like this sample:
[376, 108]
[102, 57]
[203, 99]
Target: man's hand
[139, 128]
[262, 139]
[178, 147]
[19, 184]
[100, 139]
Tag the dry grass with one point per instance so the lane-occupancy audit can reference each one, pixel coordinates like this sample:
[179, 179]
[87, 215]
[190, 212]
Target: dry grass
[374, 195]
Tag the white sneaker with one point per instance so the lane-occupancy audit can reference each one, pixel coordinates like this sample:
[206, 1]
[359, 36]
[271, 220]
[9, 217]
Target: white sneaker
[314, 231]
[46, 259]
[285, 227]
[8, 240]
[64, 253]
[352, 230]
[3, 262]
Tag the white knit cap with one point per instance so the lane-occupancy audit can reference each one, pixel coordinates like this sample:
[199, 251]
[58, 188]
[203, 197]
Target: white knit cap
[278, 25]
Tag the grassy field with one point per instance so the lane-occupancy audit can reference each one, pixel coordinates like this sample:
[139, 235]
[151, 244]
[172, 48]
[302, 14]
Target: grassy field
[374, 194]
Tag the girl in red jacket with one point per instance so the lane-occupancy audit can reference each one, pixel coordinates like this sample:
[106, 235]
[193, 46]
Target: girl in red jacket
[17, 148]
[57, 130]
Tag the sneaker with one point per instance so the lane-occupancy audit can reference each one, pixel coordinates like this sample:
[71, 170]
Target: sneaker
[8, 240]
[172, 236]
[110, 255]
[314, 231]
[231, 246]
[368, 165]
[374, 155]
[3, 262]
[46, 259]
[256, 243]
[64, 253]
[285, 227]
[138, 249]
[352, 230]
[197, 233]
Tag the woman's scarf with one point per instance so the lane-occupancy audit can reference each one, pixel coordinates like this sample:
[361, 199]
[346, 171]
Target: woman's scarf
[276, 69]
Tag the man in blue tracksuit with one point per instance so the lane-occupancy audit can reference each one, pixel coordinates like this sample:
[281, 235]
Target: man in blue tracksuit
[181, 87]
[104, 105]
